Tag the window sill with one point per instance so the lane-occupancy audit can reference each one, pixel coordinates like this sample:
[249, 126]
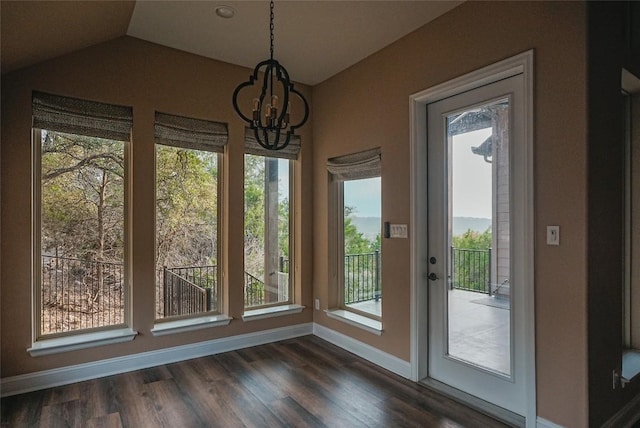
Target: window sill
[273, 311]
[81, 341]
[190, 324]
[368, 324]
[630, 365]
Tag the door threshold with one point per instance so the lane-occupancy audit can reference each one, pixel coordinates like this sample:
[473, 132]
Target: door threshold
[502, 415]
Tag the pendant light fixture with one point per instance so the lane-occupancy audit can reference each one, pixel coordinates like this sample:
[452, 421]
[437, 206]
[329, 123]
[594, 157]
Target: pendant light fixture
[271, 109]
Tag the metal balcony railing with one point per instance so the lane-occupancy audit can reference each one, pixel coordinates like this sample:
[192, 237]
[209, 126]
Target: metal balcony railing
[362, 277]
[189, 290]
[79, 294]
[471, 269]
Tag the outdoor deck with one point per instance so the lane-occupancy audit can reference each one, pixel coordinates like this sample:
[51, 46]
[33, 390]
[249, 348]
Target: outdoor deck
[369, 306]
[479, 329]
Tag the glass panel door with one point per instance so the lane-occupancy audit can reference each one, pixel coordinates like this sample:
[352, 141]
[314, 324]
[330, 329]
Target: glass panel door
[475, 229]
[478, 327]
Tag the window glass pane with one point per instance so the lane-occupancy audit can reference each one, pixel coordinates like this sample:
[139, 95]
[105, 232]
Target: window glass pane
[82, 232]
[186, 231]
[362, 239]
[267, 233]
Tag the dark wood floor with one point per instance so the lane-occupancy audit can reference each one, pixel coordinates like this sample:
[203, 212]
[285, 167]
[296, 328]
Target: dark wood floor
[303, 382]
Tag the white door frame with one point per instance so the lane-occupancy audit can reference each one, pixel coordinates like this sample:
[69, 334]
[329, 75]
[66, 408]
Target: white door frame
[519, 64]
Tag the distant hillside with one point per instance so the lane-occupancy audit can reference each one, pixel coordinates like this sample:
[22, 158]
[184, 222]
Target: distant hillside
[371, 226]
[462, 224]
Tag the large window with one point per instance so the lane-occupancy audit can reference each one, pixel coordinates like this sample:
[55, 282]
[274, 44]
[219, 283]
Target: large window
[80, 166]
[187, 212]
[268, 255]
[356, 188]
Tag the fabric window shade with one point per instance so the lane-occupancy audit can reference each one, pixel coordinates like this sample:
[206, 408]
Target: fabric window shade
[252, 147]
[82, 117]
[356, 166]
[190, 133]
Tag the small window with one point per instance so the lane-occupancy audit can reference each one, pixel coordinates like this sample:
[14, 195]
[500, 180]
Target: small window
[268, 237]
[356, 188]
[188, 161]
[81, 191]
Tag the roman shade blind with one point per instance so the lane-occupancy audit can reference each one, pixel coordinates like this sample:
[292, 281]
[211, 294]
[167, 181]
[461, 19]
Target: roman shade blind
[190, 133]
[82, 117]
[252, 147]
[355, 166]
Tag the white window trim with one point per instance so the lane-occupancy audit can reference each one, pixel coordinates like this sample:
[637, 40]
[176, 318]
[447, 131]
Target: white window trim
[271, 312]
[256, 312]
[44, 342]
[341, 311]
[356, 320]
[81, 341]
[190, 324]
[201, 135]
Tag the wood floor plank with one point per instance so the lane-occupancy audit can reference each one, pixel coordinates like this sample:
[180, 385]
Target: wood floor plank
[65, 414]
[351, 398]
[62, 394]
[301, 382]
[171, 408]
[131, 398]
[251, 411]
[209, 368]
[297, 416]
[254, 380]
[107, 421]
[22, 410]
[419, 396]
[306, 392]
[196, 387]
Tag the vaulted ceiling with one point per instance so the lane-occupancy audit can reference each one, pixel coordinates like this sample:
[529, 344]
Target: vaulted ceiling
[313, 39]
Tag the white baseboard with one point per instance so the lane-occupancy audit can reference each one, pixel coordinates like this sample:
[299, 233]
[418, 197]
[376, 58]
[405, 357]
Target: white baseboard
[543, 423]
[368, 352]
[65, 375]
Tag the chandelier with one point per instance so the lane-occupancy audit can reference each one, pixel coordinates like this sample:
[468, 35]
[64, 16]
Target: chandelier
[270, 117]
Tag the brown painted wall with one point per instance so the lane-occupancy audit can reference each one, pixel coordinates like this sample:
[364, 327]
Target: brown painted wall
[367, 106]
[148, 77]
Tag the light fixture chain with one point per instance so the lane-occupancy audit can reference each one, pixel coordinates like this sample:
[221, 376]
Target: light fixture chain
[270, 119]
[271, 27]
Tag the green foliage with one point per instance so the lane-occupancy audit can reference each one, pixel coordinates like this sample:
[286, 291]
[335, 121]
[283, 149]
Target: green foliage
[361, 270]
[354, 241]
[473, 240]
[471, 263]
[376, 244]
[82, 197]
[186, 207]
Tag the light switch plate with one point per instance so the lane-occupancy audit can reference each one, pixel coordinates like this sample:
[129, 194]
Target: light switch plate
[553, 235]
[398, 231]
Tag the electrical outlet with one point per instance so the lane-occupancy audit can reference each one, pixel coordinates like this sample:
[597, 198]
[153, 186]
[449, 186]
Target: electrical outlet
[316, 304]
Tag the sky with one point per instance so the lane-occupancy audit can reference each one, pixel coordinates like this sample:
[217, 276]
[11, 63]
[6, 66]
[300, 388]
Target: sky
[365, 196]
[471, 176]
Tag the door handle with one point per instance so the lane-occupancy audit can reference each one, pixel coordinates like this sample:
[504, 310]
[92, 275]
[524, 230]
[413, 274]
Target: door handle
[432, 276]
